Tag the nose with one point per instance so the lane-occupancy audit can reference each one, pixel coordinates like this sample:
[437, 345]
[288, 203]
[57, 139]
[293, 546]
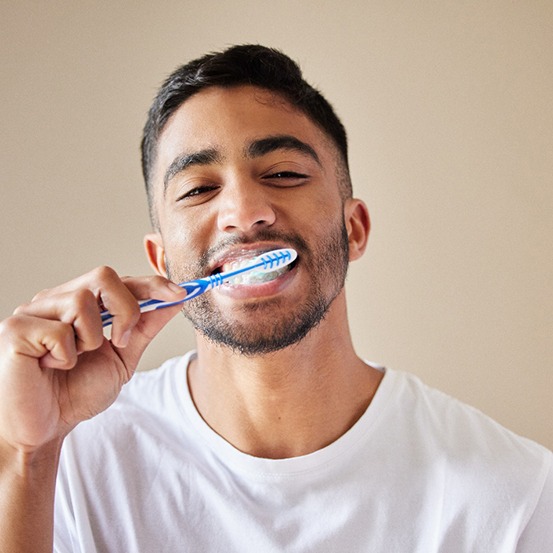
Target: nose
[244, 207]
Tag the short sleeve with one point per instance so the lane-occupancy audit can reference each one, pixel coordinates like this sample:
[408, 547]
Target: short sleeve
[538, 534]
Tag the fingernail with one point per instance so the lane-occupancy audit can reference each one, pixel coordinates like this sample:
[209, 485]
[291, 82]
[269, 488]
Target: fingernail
[174, 287]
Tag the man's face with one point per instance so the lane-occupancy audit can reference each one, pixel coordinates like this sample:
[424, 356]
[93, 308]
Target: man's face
[240, 172]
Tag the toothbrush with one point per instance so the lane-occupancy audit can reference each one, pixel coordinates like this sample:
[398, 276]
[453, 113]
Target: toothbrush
[265, 263]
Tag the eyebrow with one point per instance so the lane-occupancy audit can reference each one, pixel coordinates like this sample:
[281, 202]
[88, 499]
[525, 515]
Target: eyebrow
[270, 144]
[257, 148]
[184, 161]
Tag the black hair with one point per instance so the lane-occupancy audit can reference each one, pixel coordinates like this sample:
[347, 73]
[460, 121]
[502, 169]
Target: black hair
[247, 64]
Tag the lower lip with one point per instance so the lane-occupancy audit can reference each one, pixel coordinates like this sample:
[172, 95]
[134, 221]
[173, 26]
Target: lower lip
[263, 289]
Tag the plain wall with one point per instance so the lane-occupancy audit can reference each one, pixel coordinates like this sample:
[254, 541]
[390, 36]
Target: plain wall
[449, 107]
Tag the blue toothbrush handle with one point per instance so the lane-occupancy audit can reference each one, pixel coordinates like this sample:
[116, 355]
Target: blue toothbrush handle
[194, 288]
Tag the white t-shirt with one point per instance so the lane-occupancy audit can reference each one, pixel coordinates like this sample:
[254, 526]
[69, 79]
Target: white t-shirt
[418, 473]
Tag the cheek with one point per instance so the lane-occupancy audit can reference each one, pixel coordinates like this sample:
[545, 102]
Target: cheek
[184, 228]
[324, 215]
[183, 249]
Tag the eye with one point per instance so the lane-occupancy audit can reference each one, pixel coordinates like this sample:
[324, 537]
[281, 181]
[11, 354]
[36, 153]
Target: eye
[198, 193]
[287, 175]
[286, 178]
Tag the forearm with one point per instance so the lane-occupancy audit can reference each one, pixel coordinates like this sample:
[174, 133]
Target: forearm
[27, 488]
[56, 370]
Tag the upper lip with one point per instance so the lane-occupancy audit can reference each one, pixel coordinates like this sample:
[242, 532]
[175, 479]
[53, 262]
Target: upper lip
[240, 252]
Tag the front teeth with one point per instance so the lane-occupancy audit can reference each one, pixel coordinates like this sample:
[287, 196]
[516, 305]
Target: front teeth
[252, 277]
[257, 277]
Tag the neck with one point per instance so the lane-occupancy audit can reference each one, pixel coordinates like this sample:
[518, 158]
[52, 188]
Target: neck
[287, 403]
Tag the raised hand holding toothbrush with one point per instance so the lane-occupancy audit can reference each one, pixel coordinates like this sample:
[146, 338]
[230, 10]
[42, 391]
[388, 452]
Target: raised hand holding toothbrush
[61, 369]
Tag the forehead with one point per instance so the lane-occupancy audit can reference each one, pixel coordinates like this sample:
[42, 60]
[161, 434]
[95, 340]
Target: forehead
[228, 119]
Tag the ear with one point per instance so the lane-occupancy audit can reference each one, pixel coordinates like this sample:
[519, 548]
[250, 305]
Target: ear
[358, 226]
[155, 252]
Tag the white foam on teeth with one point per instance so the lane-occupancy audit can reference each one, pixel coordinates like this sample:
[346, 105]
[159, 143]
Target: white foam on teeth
[235, 265]
[256, 277]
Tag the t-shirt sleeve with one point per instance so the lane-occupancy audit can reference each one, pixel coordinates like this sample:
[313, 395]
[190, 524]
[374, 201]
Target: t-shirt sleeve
[538, 534]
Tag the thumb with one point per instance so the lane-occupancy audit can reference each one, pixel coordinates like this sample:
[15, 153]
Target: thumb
[146, 329]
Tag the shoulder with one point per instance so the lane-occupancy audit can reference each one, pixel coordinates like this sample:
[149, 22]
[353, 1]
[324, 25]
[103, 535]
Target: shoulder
[475, 451]
[465, 429]
[453, 425]
[487, 476]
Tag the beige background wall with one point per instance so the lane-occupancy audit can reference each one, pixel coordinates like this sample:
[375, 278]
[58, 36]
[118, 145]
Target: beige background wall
[449, 107]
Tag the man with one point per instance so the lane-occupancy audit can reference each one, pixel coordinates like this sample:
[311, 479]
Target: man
[273, 435]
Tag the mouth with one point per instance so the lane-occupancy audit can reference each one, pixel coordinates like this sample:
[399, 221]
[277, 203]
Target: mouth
[241, 259]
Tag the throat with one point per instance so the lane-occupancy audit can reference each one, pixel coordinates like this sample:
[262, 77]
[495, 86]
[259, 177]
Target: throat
[280, 416]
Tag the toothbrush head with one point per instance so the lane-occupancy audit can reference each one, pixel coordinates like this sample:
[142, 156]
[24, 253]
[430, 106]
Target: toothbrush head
[262, 268]
[276, 259]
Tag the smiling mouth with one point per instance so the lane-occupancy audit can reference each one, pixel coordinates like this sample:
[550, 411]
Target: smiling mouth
[252, 277]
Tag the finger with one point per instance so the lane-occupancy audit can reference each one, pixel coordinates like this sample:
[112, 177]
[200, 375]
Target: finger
[147, 328]
[50, 343]
[110, 292]
[78, 309]
[143, 287]
[118, 297]
[151, 287]
[154, 287]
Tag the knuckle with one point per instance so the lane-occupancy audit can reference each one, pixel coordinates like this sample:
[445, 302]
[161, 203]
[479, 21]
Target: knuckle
[7, 326]
[11, 325]
[126, 315]
[21, 308]
[13, 330]
[40, 295]
[157, 281]
[83, 298]
[104, 273]
[63, 333]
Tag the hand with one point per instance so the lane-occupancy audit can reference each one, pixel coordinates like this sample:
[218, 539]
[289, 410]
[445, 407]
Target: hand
[57, 368]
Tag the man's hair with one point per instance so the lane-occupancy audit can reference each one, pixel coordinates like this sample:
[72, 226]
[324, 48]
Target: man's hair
[242, 65]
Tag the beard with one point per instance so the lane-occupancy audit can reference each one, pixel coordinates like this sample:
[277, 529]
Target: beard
[276, 327]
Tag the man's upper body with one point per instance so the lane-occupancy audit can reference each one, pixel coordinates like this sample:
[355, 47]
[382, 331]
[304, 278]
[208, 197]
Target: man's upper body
[418, 472]
[240, 156]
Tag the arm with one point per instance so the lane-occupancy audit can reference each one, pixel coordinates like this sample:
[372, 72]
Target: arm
[56, 370]
[27, 484]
